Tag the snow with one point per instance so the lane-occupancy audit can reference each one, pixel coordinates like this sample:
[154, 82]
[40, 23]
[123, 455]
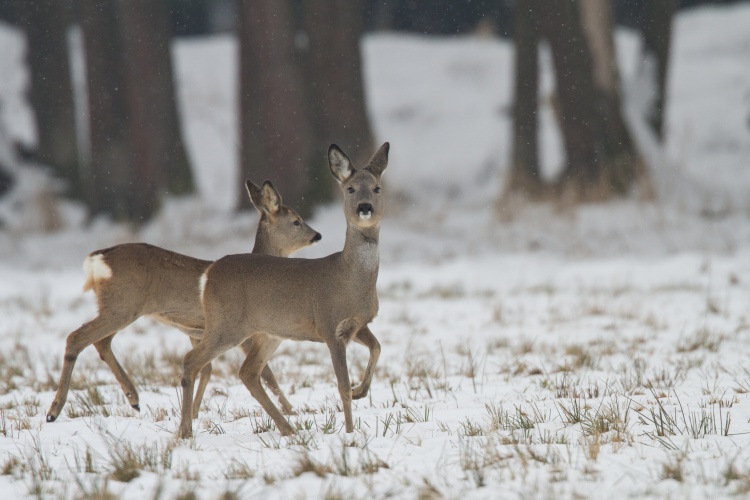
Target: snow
[539, 351]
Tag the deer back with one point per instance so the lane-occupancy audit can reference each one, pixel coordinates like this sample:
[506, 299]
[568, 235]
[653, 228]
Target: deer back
[148, 280]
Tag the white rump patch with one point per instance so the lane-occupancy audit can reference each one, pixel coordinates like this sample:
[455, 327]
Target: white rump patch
[96, 269]
[202, 284]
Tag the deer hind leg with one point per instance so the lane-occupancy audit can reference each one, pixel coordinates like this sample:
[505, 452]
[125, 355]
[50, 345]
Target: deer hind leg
[367, 339]
[195, 335]
[104, 347]
[208, 349]
[261, 349]
[270, 379]
[204, 377]
[95, 330]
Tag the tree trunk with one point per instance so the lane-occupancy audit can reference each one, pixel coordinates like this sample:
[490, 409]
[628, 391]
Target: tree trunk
[51, 94]
[621, 163]
[382, 13]
[109, 181]
[657, 34]
[581, 177]
[136, 146]
[524, 169]
[159, 157]
[276, 135]
[596, 19]
[334, 66]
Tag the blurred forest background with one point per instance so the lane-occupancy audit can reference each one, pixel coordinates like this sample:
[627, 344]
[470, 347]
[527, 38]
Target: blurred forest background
[120, 150]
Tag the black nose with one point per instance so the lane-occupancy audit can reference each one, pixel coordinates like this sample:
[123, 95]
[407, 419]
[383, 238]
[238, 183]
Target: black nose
[317, 237]
[364, 208]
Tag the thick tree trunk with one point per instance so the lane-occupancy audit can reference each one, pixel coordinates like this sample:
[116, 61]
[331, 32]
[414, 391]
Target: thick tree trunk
[151, 80]
[581, 177]
[620, 162]
[382, 13]
[601, 161]
[51, 95]
[136, 146]
[657, 34]
[524, 169]
[276, 135]
[109, 181]
[158, 157]
[596, 19]
[334, 66]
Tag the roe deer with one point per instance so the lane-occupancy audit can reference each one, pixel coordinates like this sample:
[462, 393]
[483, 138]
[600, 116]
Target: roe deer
[267, 299]
[136, 279]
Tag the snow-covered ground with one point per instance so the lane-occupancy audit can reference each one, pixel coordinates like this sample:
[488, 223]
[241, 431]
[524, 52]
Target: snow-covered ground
[597, 351]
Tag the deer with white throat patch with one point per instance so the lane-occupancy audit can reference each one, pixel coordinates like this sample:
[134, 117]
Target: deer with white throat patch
[267, 299]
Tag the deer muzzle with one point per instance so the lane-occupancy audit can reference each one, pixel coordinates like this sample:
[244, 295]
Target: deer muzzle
[364, 210]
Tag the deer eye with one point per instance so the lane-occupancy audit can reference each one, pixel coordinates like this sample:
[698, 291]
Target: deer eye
[377, 189]
[350, 189]
[296, 223]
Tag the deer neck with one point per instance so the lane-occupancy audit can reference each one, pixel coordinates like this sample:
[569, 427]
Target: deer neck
[263, 246]
[361, 249]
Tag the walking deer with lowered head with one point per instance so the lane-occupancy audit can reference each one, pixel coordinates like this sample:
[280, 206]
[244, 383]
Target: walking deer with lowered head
[135, 279]
[267, 299]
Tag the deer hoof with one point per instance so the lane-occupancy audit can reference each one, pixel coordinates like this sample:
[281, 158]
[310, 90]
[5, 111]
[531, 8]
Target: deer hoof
[51, 418]
[359, 392]
[136, 407]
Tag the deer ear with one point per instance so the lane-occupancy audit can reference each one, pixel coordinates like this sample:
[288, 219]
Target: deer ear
[341, 165]
[254, 192]
[379, 160]
[270, 199]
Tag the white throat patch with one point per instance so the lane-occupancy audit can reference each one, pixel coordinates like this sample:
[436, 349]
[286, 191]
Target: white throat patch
[369, 256]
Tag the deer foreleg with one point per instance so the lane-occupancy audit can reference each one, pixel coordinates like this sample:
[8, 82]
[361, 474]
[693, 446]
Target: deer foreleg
[366, 338]
[337, 346]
